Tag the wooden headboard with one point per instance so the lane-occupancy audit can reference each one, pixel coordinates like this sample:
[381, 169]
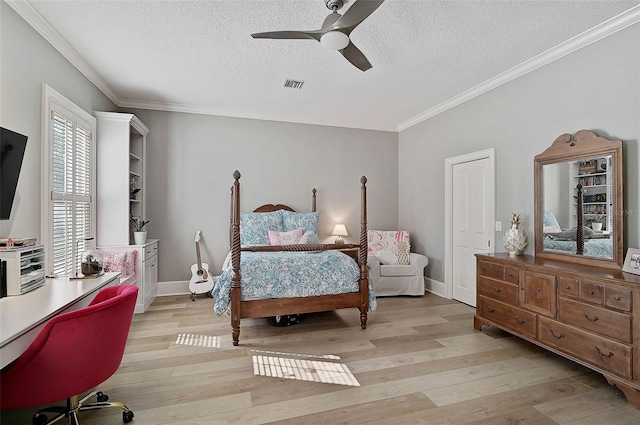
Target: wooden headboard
[276, 207]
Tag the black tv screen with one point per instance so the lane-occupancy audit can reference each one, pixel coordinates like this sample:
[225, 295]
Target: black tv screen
[12, 146]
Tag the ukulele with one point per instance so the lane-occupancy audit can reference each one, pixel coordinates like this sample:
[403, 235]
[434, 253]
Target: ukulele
[201, 281]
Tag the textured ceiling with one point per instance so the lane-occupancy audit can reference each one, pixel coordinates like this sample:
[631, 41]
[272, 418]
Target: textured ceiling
[198, 56]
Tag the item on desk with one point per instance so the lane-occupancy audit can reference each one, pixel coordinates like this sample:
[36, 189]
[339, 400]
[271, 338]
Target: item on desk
[91, 266]
[13, 243]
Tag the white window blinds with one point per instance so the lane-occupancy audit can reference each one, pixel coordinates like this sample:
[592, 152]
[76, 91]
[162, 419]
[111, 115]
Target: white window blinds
[70, 187]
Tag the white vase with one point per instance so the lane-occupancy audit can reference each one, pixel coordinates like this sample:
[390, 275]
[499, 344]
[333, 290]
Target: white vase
[596, 226]
[139, 238]
[514, 241]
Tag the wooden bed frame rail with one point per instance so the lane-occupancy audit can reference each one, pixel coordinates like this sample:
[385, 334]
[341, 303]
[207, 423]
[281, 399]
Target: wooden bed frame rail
[274, 307]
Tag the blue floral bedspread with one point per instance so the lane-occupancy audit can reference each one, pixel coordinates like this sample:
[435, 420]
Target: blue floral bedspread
[602, 248]
[289, 275]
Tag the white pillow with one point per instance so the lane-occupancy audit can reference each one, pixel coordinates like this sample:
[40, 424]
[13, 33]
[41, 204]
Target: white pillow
[285, 238]
[386, 257]
[309, 238]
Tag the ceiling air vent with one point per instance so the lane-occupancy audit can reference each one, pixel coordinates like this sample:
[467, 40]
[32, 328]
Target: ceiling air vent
[292, 84]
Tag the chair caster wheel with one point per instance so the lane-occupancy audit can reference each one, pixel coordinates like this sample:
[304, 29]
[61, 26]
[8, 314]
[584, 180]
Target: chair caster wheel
[210, 294]
[102, 397]
[39, 419]
[127, 416]
[193, 296]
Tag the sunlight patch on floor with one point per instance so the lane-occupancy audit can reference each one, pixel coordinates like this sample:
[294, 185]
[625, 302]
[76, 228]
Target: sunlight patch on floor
[304, 370]
[199, 340]
[312, 356]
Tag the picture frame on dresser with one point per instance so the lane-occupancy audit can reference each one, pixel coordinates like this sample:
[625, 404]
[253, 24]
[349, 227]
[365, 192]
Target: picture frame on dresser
[632, 261]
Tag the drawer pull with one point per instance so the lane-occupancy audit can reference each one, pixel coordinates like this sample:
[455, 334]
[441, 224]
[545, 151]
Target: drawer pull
[522, 322]
[490, 309]
[617, 298]
[496, 289]
[595, 318]
[590, 292]
[560, 335]
[606, 356]
[567, 287]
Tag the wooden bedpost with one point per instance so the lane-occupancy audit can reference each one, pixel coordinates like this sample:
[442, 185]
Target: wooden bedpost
[362, 256]
[231, 219]
[313, 200]
[236, 292]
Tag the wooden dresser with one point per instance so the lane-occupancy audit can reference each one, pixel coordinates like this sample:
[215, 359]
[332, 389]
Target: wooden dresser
[588, 314]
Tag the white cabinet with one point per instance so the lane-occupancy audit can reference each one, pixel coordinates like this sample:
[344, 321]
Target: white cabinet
[25, 269]
[146, 268]
[121, 176]
[121, 192]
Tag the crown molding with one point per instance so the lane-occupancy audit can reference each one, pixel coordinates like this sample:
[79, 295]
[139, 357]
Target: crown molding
[203, 110]
[605, 29]
[611, 26]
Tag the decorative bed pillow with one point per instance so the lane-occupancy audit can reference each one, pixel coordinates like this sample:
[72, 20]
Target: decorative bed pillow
[254, 226]
[551, 224]
[285, 238]
[309, 238]
[306, 221]
[387, 257]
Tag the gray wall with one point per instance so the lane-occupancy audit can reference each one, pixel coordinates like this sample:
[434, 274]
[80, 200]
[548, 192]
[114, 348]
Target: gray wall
[27, 62]
[191, 159]
[595, 88]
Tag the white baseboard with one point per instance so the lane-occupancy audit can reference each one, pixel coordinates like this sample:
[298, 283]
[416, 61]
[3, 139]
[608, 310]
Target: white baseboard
[178, 287]
[435, 287]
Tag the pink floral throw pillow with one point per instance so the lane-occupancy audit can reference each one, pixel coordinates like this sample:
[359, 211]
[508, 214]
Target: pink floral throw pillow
[285, 238]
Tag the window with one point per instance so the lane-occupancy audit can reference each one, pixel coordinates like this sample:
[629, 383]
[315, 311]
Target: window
[69, 182]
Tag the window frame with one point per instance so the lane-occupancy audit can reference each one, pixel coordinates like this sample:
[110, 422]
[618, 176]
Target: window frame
[51, 100]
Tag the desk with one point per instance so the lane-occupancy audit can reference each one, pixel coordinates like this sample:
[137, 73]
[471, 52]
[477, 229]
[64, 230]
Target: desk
[23, 316]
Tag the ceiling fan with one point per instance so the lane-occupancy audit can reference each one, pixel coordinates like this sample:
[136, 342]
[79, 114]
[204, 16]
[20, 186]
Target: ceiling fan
[335, 30]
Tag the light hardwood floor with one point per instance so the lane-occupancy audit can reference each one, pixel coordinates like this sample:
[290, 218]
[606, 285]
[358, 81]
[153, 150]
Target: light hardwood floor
[418, 362]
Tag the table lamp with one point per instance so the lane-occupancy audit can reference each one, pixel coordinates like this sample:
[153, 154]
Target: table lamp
[339, 231]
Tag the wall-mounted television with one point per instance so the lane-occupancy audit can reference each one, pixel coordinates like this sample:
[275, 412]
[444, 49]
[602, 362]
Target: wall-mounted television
[12, 146]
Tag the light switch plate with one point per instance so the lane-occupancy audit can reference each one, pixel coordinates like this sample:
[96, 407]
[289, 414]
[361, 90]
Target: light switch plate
[498, 226]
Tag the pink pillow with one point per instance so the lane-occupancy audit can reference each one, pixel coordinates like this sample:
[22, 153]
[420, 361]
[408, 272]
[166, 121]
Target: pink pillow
[285, 238]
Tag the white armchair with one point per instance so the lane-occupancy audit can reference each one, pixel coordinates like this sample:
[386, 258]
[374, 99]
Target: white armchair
[386, 275]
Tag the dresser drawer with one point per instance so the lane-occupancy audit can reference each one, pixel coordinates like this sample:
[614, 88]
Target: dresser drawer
[513, 318]
[511, 274]
[617, 298]
[150, 250]
[591, 292]
[498, 290]
[602, 352]
[568, 287]
[493, 270]
[601, 320]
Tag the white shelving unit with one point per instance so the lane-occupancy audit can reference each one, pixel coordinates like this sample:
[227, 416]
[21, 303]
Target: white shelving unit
[121, 151]
[25, 268]
[121, 182]
[596, 191]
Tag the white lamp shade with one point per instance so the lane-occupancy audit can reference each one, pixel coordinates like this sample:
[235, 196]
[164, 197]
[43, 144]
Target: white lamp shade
[334, 40]
[340, 230]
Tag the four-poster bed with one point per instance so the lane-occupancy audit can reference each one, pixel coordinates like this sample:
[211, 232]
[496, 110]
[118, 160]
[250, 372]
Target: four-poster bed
[246, 293]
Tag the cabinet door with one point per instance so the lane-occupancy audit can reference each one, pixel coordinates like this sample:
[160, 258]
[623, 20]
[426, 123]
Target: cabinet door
[538, 292]
[151, 279]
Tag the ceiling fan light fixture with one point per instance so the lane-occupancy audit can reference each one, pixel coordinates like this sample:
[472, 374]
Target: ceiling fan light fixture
[334, 40]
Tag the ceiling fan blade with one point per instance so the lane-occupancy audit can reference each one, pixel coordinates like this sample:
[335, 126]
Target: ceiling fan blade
[356, 57]
[292, 35]
[358, 12]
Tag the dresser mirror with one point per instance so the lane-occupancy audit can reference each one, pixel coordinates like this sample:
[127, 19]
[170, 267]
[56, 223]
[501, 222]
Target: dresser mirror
[578, 200]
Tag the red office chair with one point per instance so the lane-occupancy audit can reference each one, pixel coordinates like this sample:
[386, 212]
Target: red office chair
[73, 353]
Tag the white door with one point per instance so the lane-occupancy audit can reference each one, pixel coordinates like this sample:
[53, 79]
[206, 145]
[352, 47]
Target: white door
[472, 224]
